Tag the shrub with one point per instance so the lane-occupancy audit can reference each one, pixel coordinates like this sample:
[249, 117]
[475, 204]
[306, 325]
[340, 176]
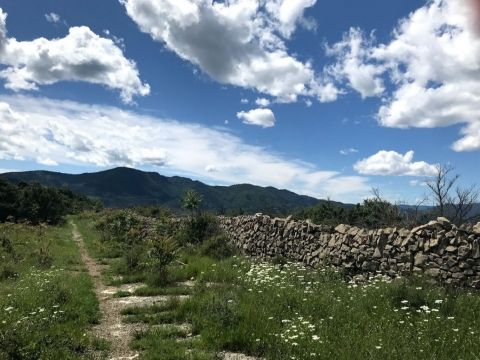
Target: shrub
[161, 252]
[198, 228]
[218, 247]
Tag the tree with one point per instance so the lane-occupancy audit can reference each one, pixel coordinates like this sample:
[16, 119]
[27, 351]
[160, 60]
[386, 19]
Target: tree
[465, 199]
[192, 201]
[440, 185]
[457, 206]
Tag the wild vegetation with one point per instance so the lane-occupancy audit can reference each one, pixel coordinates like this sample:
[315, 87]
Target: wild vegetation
[212, 298]
[278, 310]
[37, 204]
[46, 298]
[457, 203]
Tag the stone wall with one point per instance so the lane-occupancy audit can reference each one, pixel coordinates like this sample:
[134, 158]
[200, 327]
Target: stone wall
[438, 249]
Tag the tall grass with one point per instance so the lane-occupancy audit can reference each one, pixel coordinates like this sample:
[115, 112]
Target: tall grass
[47, 305]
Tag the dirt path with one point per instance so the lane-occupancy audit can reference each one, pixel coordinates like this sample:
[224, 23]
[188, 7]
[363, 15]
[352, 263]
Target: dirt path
[111, 328]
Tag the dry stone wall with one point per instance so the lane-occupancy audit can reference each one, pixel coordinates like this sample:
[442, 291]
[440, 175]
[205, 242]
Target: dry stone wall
[438, 249]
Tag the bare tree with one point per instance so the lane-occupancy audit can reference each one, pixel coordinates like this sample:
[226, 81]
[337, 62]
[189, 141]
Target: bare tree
[441, 184]
[463, 203]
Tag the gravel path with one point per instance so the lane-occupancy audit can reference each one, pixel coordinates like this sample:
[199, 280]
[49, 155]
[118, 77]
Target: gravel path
[111, 328]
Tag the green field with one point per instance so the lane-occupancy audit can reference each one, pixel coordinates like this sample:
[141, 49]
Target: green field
[217, 300]
[46, 300]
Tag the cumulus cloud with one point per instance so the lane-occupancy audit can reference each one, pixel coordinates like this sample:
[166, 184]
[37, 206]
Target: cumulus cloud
[239, 42]
[288, 13]
[82, 55]
[35, 129]
[352, 65]
[260, 117]
[394, 164]
[262, 102]
[432, 65]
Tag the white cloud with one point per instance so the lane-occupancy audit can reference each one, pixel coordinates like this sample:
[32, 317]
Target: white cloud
[394, 164]
[261, 117]
[46, 161]
[262, 102]
[3, 171]
[244, 101]
[352, 54]
[239, 42]
[348, 151]
[432, 66]
[77, 134]
[53, 18]
[82, 55]
[290, 12]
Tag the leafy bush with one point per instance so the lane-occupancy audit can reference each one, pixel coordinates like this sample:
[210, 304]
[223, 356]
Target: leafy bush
[36, 203]
[161, 252]
[198, 228]
[218, 247]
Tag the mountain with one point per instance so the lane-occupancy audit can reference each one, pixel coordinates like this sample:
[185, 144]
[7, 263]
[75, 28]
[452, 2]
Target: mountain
[125, 187]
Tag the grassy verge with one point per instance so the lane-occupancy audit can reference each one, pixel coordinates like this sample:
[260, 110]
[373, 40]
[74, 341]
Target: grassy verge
[46, 298]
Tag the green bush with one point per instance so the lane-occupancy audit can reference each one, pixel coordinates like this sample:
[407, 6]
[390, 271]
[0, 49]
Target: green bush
[161, 252]
[218, 247]
[198, 228]
[36, 204]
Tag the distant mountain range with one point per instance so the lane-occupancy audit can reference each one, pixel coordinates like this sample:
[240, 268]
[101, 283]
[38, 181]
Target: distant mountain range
[125, 187]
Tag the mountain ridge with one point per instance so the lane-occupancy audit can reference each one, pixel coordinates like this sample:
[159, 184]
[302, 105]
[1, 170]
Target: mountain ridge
[126, 187]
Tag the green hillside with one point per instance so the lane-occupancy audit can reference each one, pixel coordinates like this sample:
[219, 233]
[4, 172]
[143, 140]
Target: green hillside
[125, 187]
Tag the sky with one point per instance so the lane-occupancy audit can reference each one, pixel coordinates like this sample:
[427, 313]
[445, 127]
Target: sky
[324, 98]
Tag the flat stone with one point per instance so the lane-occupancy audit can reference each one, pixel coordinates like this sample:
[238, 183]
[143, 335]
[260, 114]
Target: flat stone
[342, 229]
[451, 249]
[420, 259]
[433, 272]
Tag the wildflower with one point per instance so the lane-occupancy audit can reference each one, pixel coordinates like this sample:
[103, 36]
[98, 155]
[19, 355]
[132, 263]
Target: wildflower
[438, 301]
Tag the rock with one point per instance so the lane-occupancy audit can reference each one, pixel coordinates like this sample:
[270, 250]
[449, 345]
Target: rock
[419, 228]
[420, 259]
[476, 229]
[476, 249]
[451, 249]
[433, 272]
[377, 254]
[342, 229]
[463, 251]
[444, 222]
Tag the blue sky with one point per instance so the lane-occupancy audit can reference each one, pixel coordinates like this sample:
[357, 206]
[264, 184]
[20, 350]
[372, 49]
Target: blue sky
[323, 98]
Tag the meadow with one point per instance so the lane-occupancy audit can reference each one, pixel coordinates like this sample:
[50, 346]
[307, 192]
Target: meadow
[46, 300]
[222, 301]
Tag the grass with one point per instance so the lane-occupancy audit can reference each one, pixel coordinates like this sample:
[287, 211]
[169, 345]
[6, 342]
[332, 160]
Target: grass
[291, 312]
[286, 311]
[46, 303]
